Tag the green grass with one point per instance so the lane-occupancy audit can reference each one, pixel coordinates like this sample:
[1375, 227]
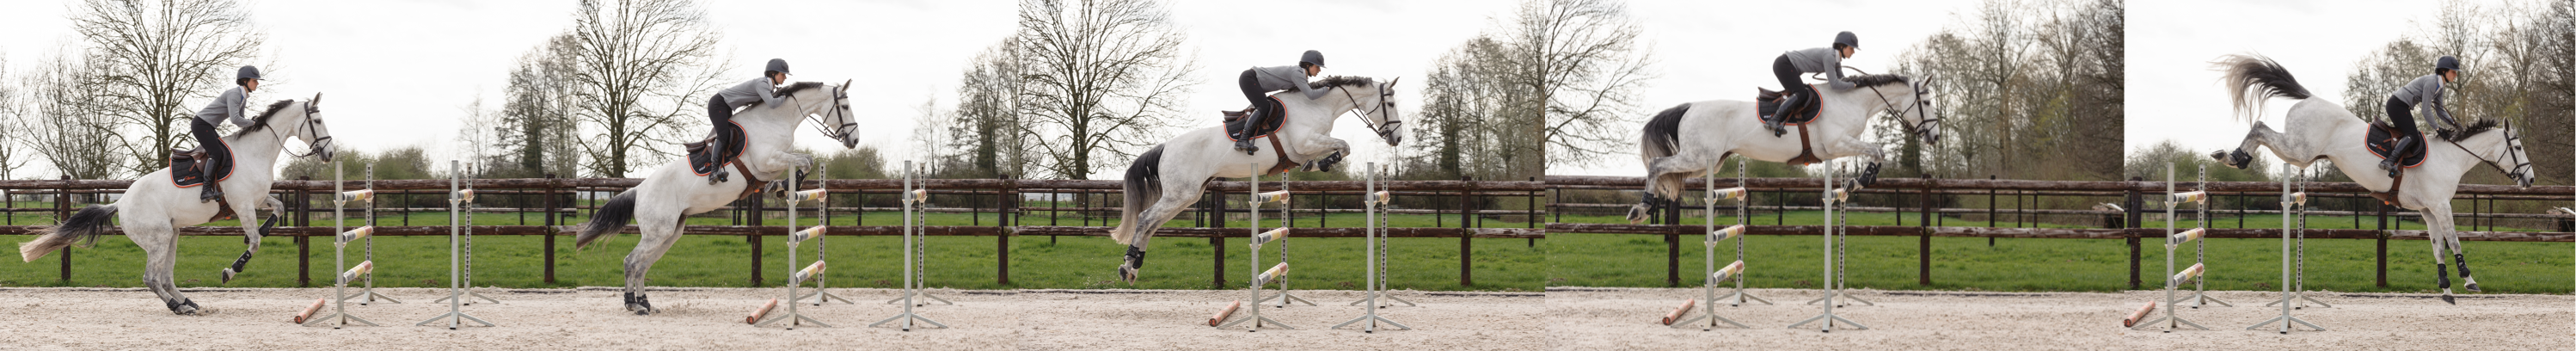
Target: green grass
[724, 261]
[2048, 264]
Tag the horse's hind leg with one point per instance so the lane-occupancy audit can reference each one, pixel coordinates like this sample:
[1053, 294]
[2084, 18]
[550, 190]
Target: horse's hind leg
[2260, 136]
[160, 257]
[2448, 236]
[1176, 197]
[657, 240]
[1664, 182]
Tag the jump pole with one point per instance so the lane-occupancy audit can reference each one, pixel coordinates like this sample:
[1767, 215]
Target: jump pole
[1840, 244]
[1260, 277]
[340, 316]
[795, 198]
[368, 293]
[1370, 199]
[823, 210]
[456, 199]
[471, 294]
[1282, 197]
[911, 197]
[2288, 298]
[2172, 241]
[1708, 290]
[2200, 253]
[1827, 320]
[2299, 270]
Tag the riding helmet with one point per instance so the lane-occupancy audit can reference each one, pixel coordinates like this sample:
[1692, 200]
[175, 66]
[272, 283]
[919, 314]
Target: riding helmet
[2447, 62]
[778, 65]
[1312, 57]
[246, 73]
[1846, 38]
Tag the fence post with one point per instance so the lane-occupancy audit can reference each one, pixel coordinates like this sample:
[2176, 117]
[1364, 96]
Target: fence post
[63, 212]
[1990, 209]
[1218, 241]
[2383, 244]
[1008, 202]
[303, 246]
[1467, 233]
[1672, 221]
[753, 216]
[549, 204]
[1532, 219]
[1922, 239]
[2136, 219]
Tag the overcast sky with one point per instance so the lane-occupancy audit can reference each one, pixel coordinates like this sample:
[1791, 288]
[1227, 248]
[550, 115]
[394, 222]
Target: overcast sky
[2173, 95]
[398, 73]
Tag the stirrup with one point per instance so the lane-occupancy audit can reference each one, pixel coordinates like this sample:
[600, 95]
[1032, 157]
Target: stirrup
[719, 176]
[1246, 147]
[211, 193]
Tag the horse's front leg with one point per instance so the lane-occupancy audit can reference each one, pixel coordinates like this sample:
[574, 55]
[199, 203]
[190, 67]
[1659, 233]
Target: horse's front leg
[1855, 147]
[1326, 152]
[252, 229]
[787, 161]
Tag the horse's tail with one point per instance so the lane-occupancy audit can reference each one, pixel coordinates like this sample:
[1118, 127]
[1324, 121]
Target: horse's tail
[84, 227]
[607, 220]
[2247, 73]
[1144, 187]
[1663, 133]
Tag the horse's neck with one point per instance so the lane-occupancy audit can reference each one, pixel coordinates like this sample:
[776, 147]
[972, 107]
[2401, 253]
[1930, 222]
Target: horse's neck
[1863, 99]
[2465, 154]
[255, 151]
[770, 130]
[1327, 109]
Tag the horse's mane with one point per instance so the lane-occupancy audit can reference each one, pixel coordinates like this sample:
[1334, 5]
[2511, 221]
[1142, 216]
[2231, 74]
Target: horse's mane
[261, 122]
[1869, 80]
[794, 87]
[1341, 81]
[2474, 128]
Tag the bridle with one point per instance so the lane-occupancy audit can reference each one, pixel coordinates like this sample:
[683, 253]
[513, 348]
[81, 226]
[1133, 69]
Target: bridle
[312, 118]
[837, 133]
[1917, 128]
[1388, 123]
[2512, 143]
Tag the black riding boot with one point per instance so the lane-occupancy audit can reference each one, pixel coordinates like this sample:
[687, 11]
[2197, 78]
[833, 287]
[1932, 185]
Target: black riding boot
[2390, 163]
[1243, 140]
[214, 191]
[1245, 145]
[715, 151]
[1778, 120]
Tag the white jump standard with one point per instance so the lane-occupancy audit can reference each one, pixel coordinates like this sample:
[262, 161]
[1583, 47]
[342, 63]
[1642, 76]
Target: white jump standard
[1261, 277]
[823, 210]
[1734, 271]
[915, 287]
[340, 316]
[795, 198]
[468, 281]
[456, 199]
[911, 229]
[2288, 200]
[2174, 240]
[368, 292]
[2299, 266]
[1282, 197]
[1832, 198]
[1379, 198]
[1370, 200]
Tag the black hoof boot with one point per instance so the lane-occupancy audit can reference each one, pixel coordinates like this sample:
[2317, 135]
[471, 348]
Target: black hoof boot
[2465, 280]
[1135, 264]
[643, 306]
[1326, 165]
[1869, 176]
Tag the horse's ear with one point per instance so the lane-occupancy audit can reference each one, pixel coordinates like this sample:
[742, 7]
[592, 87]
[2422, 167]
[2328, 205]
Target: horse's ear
[1390, 83]
[845, 85]
[316, 101]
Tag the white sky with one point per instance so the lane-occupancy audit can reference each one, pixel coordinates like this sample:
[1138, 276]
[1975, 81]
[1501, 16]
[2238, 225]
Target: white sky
[1713, 50]
[397, 73]
[2173, 95]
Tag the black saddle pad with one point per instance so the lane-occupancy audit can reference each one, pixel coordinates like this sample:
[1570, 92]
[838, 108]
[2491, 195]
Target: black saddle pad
[703, 162]
[1234, 123]
[188, 172]
[1768, 102]
[2383, 137]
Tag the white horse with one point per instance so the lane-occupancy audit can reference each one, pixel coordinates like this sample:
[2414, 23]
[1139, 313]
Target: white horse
[673, 191]
[2320, 129]
[1165, 180]
[153, 209]
[1718, 128]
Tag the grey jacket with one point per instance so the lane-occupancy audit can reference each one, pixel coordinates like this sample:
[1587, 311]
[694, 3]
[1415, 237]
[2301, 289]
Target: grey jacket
[1286, 78]
[227, 107]
[1821, 60]
[2425, 93]
[754, 91]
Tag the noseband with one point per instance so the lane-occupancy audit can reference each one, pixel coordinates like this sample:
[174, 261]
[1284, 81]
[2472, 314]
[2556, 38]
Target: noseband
[1389, 124]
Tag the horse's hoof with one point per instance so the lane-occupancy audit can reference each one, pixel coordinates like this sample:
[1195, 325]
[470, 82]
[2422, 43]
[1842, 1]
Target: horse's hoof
[187, 308]
[2473, 286]
[1869, 176]
[1127, 275]
[228, 275]
[1637, 214]
[2446, 298]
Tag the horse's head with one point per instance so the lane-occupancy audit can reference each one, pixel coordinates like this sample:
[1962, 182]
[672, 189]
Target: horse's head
[1921, 117]
[831, 104]
[1381, 114]
[315, 133]
[290, 119]
[2497, 144]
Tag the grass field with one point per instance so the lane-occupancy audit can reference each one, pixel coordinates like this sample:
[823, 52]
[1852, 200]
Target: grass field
[1576, 259]
[724, 261]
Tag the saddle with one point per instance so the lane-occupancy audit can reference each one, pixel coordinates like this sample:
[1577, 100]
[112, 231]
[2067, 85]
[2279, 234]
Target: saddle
[191, 168]
[1767, 104]
[2382, 142]
[703, 162]
[1234, 125]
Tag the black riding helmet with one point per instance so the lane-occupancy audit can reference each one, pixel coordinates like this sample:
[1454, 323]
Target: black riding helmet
[2447, 63]
[1846, 38]
[776, 65]
[246, 75]
[1312, 57]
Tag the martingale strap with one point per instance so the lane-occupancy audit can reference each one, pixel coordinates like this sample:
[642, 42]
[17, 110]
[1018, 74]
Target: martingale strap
[1284, 164]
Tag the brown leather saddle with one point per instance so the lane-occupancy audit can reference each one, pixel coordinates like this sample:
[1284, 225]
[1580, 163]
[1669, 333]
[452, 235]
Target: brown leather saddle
[2382, 142]
[1767, 102]
[704, 163]
[1234, 125]
[191, 168]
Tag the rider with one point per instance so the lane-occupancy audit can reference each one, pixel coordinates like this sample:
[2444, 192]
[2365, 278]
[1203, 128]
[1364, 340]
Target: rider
[720, 109]
[1260, 81]
[2424, 92]
[227, 106]
[1813, 60]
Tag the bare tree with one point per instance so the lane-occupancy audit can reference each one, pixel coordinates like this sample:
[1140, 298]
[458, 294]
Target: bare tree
[986, 122]
[537, 110]
[13, 122]
[70, 133]
[2032, 82]
[1098, 78]
[636, 67]
[1582, 61]
[146, 58]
